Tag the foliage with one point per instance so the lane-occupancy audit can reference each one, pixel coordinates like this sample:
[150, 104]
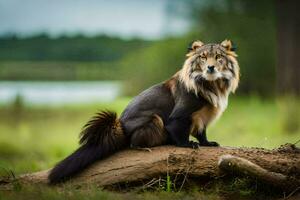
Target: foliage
[154, 64]
[67, 48]
[59, 70]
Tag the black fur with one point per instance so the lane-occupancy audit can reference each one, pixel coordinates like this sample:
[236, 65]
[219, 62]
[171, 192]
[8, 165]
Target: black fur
[202, 138]
[100, 138]
[155, 100]
[174, 109]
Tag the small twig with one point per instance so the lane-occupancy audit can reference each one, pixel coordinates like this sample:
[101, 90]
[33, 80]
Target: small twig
[184, 179]
[186, 173]
[292, 193]
[175, 179]
[296, 142]
[151, 183]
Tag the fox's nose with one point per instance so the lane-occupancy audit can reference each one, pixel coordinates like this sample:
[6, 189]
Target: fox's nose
[210, 69]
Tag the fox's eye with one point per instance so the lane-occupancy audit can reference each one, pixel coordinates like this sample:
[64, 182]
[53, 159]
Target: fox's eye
[203, 58]
[219, 59]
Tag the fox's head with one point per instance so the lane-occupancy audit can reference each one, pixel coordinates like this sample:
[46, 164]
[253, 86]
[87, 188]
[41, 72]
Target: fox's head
[211, 64]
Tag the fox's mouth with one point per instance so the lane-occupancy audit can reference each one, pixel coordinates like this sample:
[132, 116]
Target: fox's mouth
[211, 76]
[203, 78]
[200, 77]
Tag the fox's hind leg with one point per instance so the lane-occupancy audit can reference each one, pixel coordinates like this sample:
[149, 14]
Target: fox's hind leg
[150, 134]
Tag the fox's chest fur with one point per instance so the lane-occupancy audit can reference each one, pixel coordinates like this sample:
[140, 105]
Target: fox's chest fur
[208, 114]
[208, 105]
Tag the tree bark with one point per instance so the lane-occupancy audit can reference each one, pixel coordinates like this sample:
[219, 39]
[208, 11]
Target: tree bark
[288, 40]
[279, 167]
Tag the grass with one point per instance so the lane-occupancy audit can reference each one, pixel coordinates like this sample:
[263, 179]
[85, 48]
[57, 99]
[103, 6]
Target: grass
[34, 138]
[251, 121]
[45, 193]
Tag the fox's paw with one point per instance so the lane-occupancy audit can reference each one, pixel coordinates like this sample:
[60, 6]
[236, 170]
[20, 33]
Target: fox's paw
[210, 144]
[191, 144]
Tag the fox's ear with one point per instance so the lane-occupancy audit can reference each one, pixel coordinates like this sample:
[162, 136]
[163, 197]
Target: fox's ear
[193, 46]
[229, 45]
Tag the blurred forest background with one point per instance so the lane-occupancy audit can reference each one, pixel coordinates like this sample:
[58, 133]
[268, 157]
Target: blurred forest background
[264, 112]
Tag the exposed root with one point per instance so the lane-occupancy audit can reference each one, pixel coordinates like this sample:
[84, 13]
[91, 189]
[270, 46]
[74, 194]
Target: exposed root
[243, 166]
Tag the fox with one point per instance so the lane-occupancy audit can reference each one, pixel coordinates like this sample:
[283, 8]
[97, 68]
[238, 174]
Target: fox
[164, 114]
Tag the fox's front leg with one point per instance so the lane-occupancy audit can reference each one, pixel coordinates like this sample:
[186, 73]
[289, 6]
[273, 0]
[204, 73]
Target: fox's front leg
[178, 130]
[202, 138]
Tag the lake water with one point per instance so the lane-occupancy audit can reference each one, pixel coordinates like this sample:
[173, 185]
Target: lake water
[59, 92]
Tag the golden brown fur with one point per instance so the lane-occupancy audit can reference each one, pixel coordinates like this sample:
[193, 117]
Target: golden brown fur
[171, 83]
[203, 117]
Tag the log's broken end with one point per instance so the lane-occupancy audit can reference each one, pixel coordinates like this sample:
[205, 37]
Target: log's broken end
[242, 166]
[223, 160]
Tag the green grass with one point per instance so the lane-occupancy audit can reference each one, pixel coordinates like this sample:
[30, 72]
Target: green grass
[35, 138]
[46, 193]
[250, 121]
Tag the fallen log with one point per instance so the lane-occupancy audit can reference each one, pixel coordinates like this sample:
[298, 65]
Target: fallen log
[278, 167]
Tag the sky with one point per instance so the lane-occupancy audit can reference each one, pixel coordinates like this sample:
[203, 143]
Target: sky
[124, 18]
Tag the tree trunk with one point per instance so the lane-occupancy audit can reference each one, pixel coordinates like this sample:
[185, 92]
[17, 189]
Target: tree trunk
[288, 36]
[279, 167]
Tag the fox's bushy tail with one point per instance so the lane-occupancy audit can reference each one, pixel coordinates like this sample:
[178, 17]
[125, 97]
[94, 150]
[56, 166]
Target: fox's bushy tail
[100, 137]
